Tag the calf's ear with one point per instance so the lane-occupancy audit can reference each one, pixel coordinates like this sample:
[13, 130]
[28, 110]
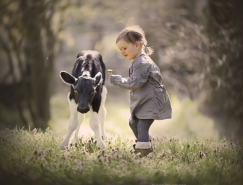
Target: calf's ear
[98, 78]
[67, 78]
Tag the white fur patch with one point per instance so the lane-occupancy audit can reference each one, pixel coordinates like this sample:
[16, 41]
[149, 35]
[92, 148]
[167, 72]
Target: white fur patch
[86, 73]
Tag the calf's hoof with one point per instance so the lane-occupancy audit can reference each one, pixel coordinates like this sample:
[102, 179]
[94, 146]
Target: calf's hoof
[101, 145]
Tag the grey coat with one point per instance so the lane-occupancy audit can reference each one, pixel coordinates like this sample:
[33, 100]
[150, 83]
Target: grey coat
[148, 97]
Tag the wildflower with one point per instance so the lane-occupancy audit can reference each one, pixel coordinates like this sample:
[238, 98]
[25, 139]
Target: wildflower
[201, 154]
[80, 169]
[41, 153]
[63, 156]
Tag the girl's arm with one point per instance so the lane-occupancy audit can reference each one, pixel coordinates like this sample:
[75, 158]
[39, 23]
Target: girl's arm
[137, 80]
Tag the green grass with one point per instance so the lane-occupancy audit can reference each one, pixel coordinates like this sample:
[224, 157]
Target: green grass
[186, 151]
[34, 157]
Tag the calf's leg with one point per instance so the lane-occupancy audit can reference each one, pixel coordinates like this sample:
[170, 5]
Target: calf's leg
[80, 120]
[102, 112]
[73, 122]
[94, 124]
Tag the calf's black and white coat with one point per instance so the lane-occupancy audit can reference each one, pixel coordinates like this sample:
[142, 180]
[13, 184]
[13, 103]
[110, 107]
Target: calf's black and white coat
[87, 93]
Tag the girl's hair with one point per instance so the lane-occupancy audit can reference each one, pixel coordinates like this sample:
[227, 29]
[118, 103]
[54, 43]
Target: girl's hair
[133, 34]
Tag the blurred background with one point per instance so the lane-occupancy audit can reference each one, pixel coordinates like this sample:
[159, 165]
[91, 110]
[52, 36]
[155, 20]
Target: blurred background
[198, 46]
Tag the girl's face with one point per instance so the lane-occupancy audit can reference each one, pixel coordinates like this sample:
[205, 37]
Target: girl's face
[129, 50]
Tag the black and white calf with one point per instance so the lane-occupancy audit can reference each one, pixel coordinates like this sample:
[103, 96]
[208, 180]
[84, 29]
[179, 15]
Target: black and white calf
[87, 92]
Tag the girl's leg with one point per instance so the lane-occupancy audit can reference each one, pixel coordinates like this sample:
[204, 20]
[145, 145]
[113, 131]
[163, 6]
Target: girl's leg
[143, 146]
[134, 127]
[143, 126]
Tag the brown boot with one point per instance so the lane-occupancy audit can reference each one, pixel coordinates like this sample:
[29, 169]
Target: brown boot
[144, 148]
[143, 152]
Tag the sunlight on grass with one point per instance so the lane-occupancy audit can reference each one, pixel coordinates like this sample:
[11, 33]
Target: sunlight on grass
[186, 121]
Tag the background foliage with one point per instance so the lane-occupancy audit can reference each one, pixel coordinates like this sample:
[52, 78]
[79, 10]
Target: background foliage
[197, 44]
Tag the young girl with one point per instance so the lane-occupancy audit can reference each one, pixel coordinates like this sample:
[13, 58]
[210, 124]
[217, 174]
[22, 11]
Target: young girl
[149, 99]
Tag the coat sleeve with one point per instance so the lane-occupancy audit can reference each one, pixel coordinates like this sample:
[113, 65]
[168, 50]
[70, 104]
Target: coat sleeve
[138, 78]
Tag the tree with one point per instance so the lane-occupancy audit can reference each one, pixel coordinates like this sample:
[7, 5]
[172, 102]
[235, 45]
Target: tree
[28, 36]
[224, 82]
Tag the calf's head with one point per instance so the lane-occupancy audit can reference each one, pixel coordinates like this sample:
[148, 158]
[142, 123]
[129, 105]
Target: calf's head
[84, 88]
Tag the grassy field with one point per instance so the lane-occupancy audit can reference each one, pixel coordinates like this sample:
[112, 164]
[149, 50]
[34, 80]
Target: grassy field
[186, 151]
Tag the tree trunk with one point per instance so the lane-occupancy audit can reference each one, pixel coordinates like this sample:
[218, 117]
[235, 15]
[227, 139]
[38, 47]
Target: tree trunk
[35, 60]
[224, 100]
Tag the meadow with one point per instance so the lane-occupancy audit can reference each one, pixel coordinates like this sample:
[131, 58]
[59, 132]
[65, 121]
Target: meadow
[186, 151]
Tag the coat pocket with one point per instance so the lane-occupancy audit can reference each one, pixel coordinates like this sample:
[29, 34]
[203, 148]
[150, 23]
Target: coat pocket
[161, 96]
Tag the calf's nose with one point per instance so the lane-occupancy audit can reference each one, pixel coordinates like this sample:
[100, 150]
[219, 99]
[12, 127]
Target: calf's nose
[83, 109]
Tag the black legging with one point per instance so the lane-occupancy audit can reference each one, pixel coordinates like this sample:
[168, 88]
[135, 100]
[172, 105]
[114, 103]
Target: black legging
[141, 129]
